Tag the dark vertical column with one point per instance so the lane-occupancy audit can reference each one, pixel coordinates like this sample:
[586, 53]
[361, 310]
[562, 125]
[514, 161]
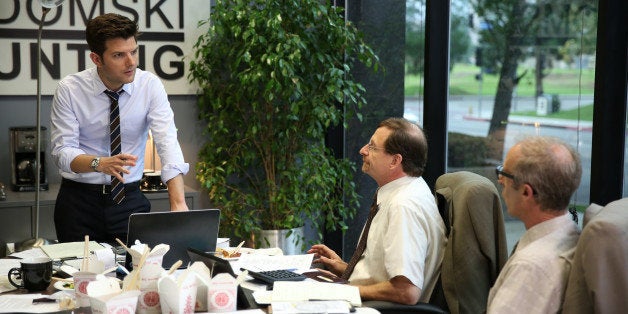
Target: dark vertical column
[609, 104]
[383, 26]
[436, 87]
[335, 139]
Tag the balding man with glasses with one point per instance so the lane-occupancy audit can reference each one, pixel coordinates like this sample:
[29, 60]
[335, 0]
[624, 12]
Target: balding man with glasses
[401, 246]
[538, 178]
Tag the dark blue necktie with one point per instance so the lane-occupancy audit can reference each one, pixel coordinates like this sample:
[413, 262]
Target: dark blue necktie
[117, 188]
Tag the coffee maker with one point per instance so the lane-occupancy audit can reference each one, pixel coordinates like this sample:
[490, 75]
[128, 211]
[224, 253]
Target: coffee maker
[23, 147]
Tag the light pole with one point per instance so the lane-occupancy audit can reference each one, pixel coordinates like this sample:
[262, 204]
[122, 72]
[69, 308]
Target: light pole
[37, 241]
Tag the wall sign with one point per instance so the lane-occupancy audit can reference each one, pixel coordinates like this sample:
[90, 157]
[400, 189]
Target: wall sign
[169, 30]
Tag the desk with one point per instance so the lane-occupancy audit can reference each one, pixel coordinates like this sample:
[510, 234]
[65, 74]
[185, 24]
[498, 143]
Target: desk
[87, 310]
[247, 292]
[17, 213]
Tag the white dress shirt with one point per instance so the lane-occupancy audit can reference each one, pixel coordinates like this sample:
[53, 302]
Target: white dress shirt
[535, 276]
[406, 237]
[80, 125]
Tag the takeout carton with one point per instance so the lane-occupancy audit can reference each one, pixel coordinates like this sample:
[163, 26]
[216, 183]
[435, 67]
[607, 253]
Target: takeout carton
[105, 257]
[81, 280]
[94, 265]
[125, 302]
[155, 257]
[222, 294]
[106, 296]
[148, 277]
[178, 294]
[203, 281]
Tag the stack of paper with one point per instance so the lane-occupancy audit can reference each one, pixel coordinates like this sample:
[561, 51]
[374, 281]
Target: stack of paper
[314, 290]
[69, 249]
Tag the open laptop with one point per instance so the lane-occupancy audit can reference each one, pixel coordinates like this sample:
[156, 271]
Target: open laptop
[215, 264]
[180, 230]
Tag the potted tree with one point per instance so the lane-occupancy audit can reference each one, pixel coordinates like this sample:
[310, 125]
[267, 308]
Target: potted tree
[274, 75]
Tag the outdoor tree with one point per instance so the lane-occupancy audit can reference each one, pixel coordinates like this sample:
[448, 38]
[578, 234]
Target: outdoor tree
[561, 25]
[415, 35]
[513, 30]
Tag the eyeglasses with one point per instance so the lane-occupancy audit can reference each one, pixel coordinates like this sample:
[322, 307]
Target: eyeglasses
[499, 170]
[372, 147]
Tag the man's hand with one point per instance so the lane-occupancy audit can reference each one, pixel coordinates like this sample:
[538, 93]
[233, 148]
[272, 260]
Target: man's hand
[115, 164]
[329, 258]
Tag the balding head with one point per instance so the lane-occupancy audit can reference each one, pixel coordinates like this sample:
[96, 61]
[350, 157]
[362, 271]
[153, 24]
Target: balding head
[550, 166]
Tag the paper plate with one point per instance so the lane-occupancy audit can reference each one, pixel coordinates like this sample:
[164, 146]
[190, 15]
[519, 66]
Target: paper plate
[64, 285]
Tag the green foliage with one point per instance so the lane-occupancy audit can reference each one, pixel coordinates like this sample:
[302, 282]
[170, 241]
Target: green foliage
[460, 42]
[274, 76]
[584, 113]
[466, 150]
[462, 82]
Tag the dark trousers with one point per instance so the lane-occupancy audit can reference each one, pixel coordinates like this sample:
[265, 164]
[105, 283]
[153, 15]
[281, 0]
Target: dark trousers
[86, 209]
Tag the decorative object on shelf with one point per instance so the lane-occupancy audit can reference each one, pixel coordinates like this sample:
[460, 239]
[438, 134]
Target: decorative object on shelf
[274, 77]
[151, 182]
[151, 178]
[3, 195]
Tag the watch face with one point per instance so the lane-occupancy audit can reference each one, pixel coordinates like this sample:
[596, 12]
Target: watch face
[95, 163]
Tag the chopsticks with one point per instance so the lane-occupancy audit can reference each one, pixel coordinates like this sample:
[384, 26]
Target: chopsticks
[85, 262]
[126, 248]
[175, 266]
[227, 253]
[237, 249]
[132, 284]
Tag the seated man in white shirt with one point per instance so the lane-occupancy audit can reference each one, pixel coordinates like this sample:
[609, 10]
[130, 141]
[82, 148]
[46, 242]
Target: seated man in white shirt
[405, 240]
[539, 176]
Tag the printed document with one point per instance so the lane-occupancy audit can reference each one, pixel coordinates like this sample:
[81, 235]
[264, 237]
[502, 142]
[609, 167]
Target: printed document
[313, 290]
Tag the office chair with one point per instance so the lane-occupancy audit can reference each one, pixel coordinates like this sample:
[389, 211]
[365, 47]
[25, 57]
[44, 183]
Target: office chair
[598, 280]
[476, 247]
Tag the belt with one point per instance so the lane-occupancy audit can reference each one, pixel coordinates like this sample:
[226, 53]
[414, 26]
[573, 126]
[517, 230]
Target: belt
[103, 188]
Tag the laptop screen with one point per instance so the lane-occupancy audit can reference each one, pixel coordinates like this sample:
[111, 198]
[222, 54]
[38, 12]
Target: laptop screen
[180, 230]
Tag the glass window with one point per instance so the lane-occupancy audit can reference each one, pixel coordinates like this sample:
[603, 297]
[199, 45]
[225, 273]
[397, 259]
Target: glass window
[625, 191]
[414, 60]
[517, 68]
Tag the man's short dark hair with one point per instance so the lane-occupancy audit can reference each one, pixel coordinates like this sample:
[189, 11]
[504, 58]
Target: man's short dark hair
[108, 26]
[408, 140]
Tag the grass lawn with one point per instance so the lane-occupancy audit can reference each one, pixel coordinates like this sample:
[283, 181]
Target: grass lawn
[462, 82]
[584, 114]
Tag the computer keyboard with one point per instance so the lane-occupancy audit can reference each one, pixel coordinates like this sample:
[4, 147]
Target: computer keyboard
[270, 276]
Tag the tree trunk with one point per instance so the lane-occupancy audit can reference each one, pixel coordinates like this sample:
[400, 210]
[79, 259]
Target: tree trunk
[538, 72]
[503, 101]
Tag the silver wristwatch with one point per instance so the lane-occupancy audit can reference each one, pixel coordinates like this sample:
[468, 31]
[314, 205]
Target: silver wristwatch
[95, 163]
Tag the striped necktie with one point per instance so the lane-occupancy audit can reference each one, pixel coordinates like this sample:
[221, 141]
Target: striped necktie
[362, 243]
[117, 188]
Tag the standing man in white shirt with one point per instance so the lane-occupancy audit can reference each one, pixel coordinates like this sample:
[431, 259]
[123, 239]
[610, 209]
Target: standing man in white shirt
[85, 142]
[539, 176]
[406, 237]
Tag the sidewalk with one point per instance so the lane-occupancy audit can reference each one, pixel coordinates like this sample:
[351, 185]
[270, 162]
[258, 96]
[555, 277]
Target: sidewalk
[586, 126]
